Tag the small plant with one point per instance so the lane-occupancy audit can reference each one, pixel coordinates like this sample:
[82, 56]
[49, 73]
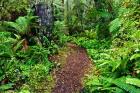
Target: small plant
[21, 29]
[111, 85]
[38, 75]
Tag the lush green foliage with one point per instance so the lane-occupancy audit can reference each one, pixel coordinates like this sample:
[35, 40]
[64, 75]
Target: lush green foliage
[11, 9]
[23, 63]
[21, 66]
[108, 29]
[118, 60]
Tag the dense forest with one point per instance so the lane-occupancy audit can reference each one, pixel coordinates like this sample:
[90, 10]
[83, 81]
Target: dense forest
[69, 46]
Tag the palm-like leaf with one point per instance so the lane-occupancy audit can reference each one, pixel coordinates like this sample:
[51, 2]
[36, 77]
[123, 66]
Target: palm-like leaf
[133, 81]
[124, 84]
[14, 25]
[22, 24]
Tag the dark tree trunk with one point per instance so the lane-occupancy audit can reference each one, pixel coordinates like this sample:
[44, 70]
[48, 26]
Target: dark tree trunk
[45, 13]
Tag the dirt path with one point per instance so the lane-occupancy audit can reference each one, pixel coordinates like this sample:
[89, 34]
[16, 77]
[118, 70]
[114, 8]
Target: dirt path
[69, 78]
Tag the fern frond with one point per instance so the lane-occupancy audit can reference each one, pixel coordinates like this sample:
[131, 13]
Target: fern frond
[121, 83]
[14, 25]
[114, 25]
[118, 90]
[133, 81]
[135, 56]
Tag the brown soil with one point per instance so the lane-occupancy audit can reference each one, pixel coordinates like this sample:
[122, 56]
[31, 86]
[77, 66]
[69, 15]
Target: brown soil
[69, 78]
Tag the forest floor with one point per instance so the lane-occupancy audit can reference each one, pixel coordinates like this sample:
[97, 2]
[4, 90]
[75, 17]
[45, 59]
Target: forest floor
[75, 64]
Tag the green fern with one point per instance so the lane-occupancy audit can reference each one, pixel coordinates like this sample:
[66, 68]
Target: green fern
[121, 83]
[22, 24]
[114, 25]
[135, 56]
[133, 81]
[118, 90]
[5, 87]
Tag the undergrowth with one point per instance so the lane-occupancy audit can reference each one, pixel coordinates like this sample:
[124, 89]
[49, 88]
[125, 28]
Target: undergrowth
[108, 29]
[116, 59]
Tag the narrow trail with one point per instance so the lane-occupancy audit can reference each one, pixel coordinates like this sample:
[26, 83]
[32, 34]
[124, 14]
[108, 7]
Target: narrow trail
[69, 78]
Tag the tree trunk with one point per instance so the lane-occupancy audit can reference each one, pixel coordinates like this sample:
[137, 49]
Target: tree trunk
[46, 22]
[66, 15]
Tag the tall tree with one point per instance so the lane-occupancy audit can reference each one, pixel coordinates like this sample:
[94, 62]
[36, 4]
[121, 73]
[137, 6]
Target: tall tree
[44, 9]
[66, 14]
